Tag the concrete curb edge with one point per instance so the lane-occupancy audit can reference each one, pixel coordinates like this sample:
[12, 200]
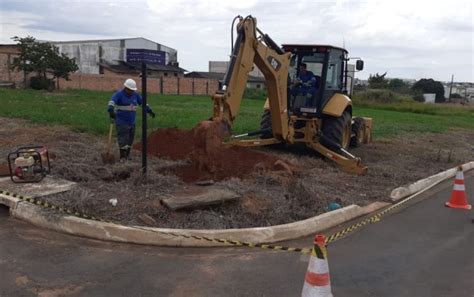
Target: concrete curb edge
[407, 190]
[41, 217]
[45, 218]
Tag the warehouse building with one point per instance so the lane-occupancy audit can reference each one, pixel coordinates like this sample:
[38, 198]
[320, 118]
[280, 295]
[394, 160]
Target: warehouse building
[100, 56]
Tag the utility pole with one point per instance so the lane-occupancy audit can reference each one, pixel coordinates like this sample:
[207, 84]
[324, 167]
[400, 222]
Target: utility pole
[145, 56]
[451, 88]
[144, 124]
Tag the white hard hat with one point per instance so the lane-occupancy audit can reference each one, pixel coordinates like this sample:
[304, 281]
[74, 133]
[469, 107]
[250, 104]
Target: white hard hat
[130, 84]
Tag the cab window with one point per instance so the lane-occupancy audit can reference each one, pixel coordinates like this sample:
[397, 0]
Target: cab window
[333, 77]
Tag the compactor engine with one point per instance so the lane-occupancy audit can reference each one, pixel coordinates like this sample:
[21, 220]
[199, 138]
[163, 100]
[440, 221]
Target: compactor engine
[29, 164]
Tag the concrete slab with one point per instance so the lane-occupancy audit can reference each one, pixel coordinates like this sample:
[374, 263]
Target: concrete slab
[49, 185]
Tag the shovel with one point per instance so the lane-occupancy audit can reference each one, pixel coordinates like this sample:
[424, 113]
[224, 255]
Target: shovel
[108, 157]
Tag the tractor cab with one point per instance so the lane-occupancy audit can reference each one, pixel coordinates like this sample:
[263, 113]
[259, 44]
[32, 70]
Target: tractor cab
[316, 73]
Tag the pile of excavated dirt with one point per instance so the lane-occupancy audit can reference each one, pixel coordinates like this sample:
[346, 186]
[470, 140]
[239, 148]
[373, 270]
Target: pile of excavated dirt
[276, 186]
[208, 157]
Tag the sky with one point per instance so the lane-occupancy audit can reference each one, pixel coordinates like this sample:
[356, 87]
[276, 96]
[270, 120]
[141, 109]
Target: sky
[407, 39]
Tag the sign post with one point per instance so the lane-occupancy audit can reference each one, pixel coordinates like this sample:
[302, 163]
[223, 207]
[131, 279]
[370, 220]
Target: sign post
[145, 57]
[144, 124]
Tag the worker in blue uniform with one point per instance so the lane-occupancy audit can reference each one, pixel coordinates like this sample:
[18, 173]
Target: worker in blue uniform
[306, 84]
[122, 109]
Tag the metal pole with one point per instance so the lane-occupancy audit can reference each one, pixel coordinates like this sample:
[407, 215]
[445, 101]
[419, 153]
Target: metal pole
[144, 128]
[451, 88]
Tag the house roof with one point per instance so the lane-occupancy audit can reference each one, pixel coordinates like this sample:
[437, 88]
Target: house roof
[168, 68]
[125, 67]
[120, 68]
[97, 40]
[220, 76]
[9, 48]
[203, 74]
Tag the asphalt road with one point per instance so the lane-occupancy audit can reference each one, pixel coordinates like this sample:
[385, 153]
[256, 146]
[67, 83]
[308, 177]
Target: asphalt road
[424, 250]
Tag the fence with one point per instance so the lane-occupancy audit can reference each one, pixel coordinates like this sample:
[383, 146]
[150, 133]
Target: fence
[163, 85]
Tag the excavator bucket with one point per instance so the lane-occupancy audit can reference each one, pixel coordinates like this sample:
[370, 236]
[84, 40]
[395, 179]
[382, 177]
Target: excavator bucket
[348, 163]
[211, 134]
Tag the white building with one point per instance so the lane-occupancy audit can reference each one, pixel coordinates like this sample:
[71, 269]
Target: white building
[92, 55]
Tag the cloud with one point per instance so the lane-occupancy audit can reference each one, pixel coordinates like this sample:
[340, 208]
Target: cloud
[410, 39]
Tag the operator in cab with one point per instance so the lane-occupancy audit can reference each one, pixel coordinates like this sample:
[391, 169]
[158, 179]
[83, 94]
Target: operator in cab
[306, 84]
[122, 109]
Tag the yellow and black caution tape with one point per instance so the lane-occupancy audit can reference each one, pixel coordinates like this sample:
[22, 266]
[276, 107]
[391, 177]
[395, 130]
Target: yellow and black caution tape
[210, 239]
[371, 220]
[233, 242]
[49, 205]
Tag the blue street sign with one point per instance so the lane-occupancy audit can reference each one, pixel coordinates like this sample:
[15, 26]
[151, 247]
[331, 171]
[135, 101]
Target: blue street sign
[135, 55]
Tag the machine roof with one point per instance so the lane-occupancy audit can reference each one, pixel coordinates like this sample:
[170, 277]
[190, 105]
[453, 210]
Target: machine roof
[288, 47]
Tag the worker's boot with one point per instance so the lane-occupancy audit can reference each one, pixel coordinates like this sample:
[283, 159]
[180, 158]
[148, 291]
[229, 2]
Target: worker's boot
[123, 155]
[127, 154]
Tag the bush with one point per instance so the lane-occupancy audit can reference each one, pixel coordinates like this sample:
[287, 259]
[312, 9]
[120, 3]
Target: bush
[419, 98]
[456, 96]
[41, 83]
[259, 94]
[380, 96]
[430, 86]
[398, 85]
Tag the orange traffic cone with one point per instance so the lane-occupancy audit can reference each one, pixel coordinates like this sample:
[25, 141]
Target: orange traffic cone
[317, 282]
[458, 195]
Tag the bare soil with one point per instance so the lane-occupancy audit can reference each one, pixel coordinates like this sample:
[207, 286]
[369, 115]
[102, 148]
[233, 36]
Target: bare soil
[277, 185]
[208, 158]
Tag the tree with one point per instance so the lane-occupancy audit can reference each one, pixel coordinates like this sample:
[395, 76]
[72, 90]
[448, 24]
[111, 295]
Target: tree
[398, 85]
[23, 61]
[429, 85]
[42, 58]
[456, 96]
[378, 81]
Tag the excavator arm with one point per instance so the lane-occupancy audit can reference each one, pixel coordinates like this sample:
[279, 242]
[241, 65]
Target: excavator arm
[253, 47]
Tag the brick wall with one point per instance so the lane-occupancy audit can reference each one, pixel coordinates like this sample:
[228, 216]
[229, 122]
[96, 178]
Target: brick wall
[111, 81]
[7, 54]
[165, 85]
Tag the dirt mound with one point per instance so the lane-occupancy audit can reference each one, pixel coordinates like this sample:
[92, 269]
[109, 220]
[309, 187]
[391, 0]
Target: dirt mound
[208, 157]
[171, 143]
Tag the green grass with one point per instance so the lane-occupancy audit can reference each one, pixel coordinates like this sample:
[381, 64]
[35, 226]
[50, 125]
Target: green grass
[389, 123]
[85, 111]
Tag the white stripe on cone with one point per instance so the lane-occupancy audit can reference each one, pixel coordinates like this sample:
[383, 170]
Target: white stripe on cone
[320, 267]
[459, 188]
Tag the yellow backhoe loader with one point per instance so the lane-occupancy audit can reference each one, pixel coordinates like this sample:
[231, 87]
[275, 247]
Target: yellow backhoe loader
[318, 115]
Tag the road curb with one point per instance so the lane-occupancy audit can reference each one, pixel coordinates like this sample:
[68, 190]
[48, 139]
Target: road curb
[407, 190]
[46, 218]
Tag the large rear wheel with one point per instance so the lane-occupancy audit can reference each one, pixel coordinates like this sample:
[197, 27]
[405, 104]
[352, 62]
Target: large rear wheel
[338, 129]
[266, 124]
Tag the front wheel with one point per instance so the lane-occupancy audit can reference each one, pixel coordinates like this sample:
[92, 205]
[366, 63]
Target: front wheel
[357, 132]
[266, 124]
[338, 129]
